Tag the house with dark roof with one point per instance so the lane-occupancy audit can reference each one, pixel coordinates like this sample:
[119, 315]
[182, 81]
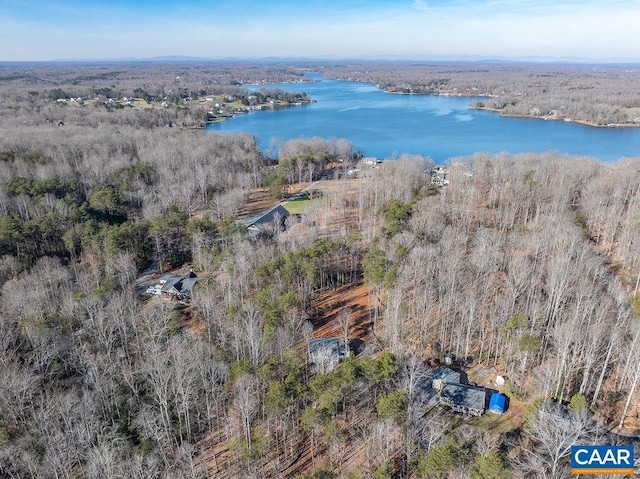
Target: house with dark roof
[326, 353]
[442, 376]
[267, 222]
[176, 286]
[448, 387]
[464, 398]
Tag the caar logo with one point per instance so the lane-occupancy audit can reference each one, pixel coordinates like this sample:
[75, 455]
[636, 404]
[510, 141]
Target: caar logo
[601, 459]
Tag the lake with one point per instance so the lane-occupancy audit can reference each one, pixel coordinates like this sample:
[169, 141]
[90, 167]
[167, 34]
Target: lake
[440, 127]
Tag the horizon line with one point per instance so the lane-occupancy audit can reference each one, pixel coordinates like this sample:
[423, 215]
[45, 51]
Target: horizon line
[320, 58]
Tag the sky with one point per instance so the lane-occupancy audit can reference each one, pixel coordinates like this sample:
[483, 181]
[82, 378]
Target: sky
[599, 30]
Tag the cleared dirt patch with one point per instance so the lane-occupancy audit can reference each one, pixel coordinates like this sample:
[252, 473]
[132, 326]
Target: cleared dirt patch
[328, 304]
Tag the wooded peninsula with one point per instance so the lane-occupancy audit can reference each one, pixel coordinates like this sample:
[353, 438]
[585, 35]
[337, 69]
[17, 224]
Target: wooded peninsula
[177, 304]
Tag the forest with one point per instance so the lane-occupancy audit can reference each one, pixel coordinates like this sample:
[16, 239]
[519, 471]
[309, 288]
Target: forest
[523, 266]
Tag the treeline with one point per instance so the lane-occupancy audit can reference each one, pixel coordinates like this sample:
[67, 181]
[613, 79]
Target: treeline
[138, 190]
[117, 190]
[59, 79]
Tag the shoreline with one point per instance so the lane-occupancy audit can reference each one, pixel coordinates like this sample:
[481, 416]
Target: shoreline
[258, 107]
[508, 115]
[500, 112]
[555, 118]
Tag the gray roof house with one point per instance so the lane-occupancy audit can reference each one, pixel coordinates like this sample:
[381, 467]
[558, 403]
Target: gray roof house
[448, 387]
[178, 286]
[268, 222]
[442, 376]
[464, 398]
[326, 353]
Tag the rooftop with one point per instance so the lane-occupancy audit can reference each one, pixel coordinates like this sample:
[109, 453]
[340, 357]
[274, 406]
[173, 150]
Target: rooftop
[464, 395]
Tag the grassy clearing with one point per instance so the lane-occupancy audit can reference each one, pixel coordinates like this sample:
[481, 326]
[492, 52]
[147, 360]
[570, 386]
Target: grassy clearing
[297, 206]
[511, 420]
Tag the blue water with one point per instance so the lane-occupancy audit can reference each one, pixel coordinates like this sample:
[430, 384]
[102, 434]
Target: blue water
[387, 125]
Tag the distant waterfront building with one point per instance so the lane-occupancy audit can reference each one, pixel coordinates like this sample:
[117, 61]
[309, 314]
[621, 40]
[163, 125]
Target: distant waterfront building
[370, 161]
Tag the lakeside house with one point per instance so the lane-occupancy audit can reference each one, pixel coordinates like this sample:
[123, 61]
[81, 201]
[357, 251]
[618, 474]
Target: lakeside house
[440, 176]
[370, 161]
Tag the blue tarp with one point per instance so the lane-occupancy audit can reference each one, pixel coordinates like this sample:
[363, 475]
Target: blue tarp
[497, 403]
